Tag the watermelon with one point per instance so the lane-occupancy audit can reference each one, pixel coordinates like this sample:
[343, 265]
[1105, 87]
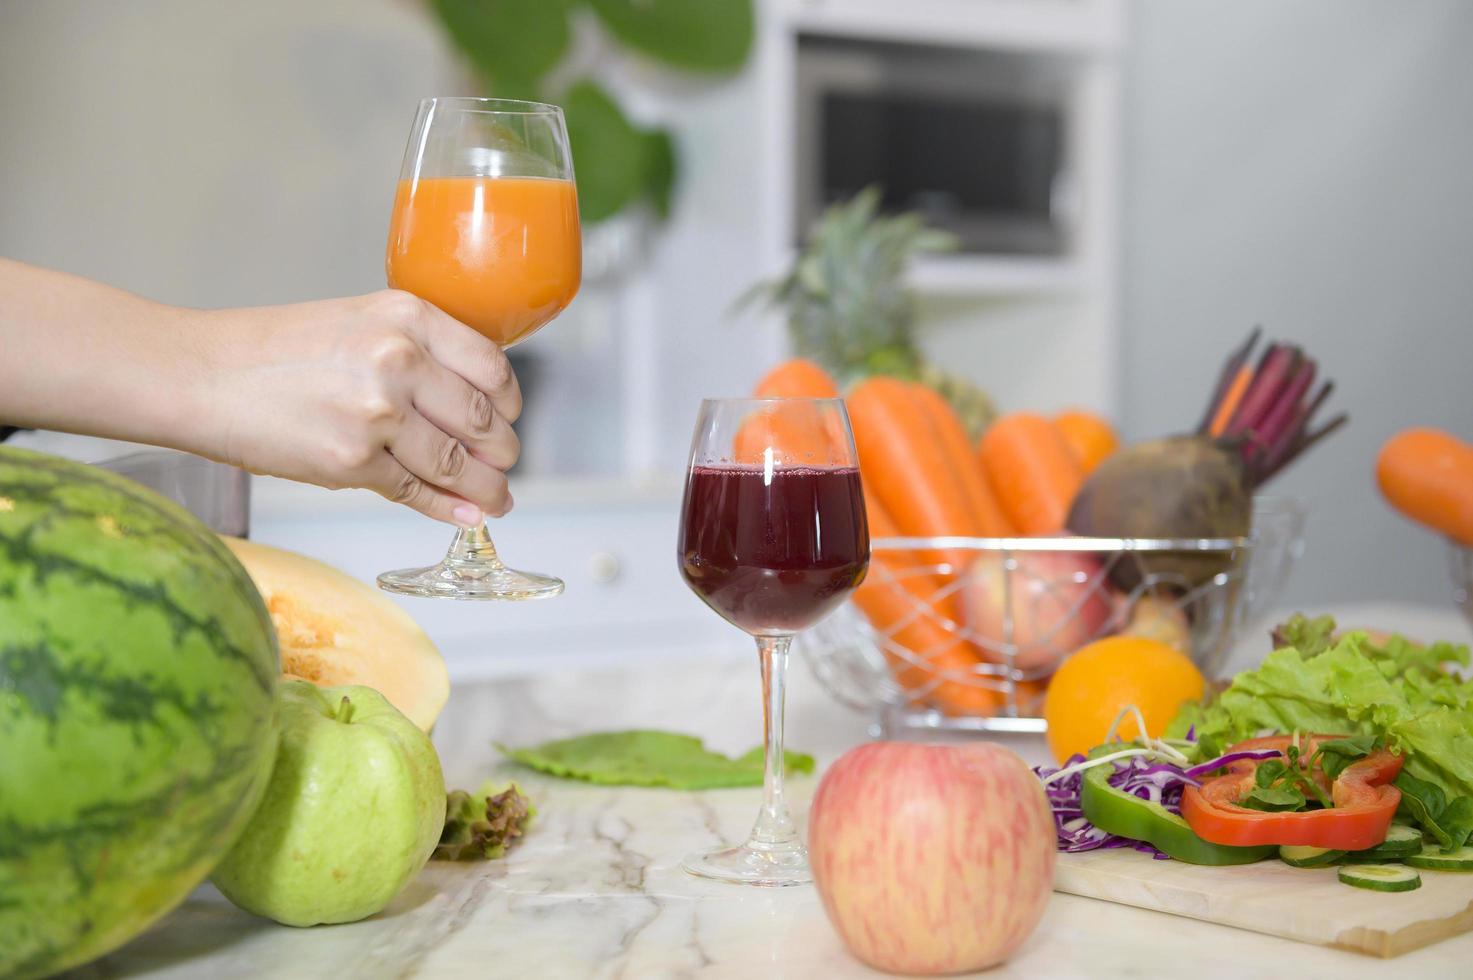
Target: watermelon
[138, 671]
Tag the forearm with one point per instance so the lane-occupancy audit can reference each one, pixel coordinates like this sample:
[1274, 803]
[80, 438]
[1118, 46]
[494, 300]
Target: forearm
[78, 356]
[382, 391]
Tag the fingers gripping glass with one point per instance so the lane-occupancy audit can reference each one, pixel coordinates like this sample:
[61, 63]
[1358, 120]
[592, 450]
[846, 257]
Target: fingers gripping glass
[773, 538]
[485, 226]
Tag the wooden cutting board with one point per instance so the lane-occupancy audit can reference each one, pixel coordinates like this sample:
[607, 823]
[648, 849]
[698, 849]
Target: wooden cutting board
[1306, 904]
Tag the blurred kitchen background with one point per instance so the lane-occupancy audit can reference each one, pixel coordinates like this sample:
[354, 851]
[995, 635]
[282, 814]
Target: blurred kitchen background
[1135, 184]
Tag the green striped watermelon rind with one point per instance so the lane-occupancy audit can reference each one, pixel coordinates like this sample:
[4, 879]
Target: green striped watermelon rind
[138, 671]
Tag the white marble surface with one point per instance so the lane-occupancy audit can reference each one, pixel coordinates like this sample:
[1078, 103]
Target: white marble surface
[596, 891]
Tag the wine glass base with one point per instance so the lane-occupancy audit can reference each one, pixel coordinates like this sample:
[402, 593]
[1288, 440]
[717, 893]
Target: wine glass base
[479, 580]
[770, 866]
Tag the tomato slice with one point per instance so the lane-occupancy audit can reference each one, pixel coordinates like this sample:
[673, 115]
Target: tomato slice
[1364, 802]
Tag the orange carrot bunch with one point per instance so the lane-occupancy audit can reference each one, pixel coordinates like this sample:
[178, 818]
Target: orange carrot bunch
[924, 477]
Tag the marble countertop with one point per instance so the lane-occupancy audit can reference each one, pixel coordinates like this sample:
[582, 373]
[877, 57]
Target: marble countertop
[596, 889]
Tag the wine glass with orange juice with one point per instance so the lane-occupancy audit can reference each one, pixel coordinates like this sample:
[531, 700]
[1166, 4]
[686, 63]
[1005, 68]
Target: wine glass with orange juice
[485, 226]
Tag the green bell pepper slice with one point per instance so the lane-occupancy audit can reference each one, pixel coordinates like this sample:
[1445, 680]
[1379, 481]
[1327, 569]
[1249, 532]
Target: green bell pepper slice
[1120, 813]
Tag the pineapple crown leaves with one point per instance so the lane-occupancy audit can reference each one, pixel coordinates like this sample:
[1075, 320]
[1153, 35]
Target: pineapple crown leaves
[845, 295]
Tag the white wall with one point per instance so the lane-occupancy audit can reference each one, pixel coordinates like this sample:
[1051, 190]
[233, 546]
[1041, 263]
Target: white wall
[209, 153]
[1308, 165]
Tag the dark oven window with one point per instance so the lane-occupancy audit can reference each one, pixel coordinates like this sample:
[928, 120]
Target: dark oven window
[984, 170]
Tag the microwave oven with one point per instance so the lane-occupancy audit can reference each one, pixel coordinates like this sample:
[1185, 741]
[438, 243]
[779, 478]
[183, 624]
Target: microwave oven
[977, 142]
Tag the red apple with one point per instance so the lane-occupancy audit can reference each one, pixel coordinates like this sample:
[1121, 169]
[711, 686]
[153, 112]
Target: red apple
[1058, 602]
[931, 858]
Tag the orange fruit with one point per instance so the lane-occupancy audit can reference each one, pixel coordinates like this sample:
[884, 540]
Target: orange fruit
[1089, 436]
[1089, 689]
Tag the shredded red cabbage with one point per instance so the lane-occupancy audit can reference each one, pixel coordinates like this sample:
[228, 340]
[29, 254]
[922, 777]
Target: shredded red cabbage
[1227, 760]
[1075, 833]
[1146, 777]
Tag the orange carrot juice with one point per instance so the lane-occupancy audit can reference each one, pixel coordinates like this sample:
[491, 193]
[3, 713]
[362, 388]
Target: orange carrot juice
[501, 254]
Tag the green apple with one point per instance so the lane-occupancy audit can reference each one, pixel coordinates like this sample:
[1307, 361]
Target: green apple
[354, 809]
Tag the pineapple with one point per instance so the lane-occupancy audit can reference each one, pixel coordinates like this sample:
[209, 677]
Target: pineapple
[973, 405]
[848, 308]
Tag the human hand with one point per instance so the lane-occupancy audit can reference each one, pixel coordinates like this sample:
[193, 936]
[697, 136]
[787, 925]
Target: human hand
[382, 391]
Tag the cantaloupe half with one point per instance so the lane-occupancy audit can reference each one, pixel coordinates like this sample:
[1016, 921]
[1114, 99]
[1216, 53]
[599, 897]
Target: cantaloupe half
[334, 629]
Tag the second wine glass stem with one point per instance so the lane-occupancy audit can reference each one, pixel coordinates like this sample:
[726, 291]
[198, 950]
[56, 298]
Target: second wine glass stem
[774, 824]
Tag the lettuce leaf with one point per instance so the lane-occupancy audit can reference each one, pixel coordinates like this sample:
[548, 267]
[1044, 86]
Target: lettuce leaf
[482, 826]
[1310, 637]
[1438, 745]
[1400, 655]
[1396, 691]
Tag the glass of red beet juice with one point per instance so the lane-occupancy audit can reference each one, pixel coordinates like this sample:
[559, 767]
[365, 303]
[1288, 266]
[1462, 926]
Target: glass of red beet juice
[773, 537]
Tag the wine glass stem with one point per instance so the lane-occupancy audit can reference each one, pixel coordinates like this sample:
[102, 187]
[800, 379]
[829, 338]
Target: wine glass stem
[472, 546]
[774, 824]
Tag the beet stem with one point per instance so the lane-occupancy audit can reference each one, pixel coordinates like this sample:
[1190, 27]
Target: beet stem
[1230, 368]
[1276, 420]
[1267, 384]
[1305, 443]
[1325, 430]
[1319, 399]
[1259, 469]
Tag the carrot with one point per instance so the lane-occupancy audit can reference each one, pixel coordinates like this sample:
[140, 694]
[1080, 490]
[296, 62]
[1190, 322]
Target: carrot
[1230, 400]
[901, 459]
[1091, 439]
[952, 435]
[913, 625]
[798, 378]
[1427, 474]
[794, 434]
[1030, 466]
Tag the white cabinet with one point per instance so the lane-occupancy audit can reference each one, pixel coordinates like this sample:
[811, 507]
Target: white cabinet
[613, 544]
[1085, 26]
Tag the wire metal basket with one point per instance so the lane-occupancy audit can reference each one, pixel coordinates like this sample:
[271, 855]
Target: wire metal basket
[1462, 569]
[1020, 606]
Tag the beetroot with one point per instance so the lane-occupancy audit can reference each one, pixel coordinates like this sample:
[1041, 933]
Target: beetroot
[1201, 485]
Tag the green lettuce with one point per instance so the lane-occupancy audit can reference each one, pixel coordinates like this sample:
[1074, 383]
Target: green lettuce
[1310, 637]
[1396, 691]
[482, 826]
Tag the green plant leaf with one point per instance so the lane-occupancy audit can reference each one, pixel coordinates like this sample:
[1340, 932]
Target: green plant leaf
[1274, 799]
[1337, 754]
[660, 169]
[648, 758]
[1269, 772]
[701, 35]
[1427, 805]
[611, 157]
[513, 43]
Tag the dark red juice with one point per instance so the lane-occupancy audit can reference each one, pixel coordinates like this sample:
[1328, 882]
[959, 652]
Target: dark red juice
[773, 553]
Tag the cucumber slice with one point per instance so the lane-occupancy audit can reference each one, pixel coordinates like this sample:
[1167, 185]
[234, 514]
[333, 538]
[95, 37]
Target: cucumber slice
[1377, 856]
[1297, 856]
[1432, 858]
[1400, 833]
[1400, 843]
[1381, 877]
